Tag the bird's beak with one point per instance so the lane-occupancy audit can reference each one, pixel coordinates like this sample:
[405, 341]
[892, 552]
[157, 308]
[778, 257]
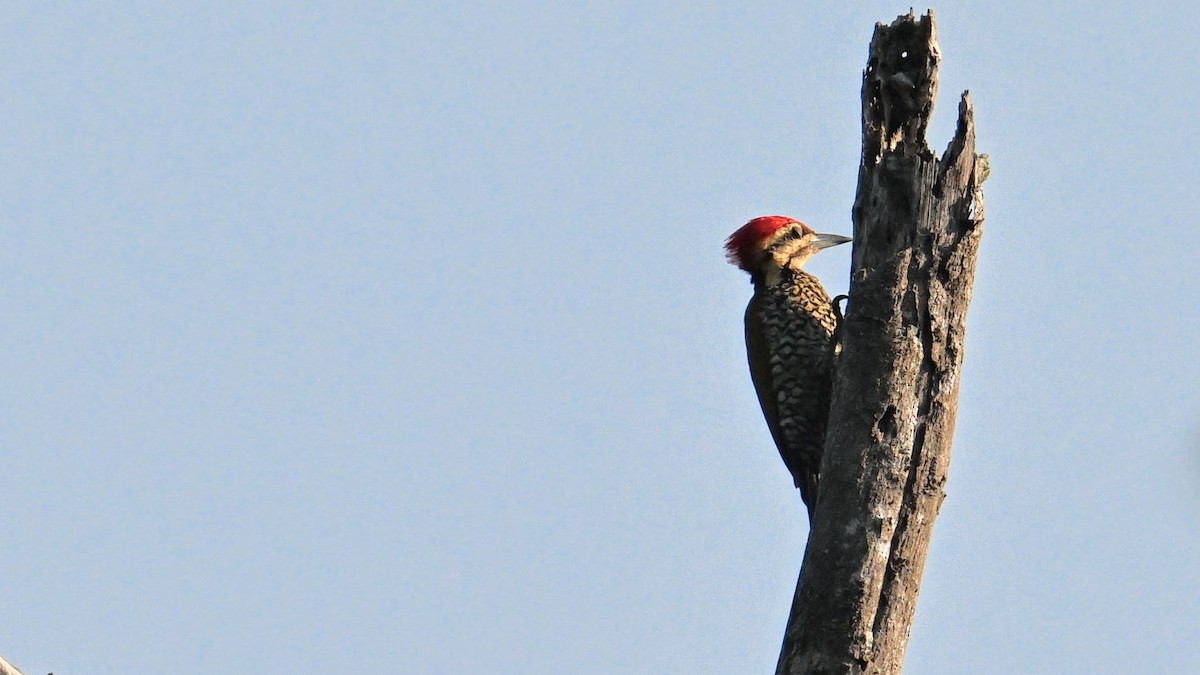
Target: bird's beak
[820, 241]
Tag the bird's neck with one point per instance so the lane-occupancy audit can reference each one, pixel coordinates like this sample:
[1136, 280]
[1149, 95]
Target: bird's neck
[772, 274]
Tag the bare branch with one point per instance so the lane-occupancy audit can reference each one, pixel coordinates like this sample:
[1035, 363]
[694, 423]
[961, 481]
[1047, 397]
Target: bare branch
[7, 668]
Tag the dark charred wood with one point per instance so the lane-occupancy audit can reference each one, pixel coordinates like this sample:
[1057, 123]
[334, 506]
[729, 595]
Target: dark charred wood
[917, 229]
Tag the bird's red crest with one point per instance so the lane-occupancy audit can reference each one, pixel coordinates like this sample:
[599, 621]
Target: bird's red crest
[743, 246]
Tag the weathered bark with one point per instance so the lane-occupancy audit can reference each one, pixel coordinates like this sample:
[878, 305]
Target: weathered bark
[916, 233]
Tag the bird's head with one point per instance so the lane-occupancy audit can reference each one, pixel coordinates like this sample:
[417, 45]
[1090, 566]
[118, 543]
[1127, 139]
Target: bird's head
[775, 242]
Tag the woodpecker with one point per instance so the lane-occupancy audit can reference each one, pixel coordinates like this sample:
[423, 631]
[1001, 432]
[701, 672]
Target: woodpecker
[789, 339]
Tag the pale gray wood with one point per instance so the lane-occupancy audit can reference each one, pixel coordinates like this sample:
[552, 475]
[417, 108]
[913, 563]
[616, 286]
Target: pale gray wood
[7, 668]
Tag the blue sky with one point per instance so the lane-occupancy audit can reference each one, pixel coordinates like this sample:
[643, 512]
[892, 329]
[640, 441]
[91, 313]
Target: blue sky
[391, 338]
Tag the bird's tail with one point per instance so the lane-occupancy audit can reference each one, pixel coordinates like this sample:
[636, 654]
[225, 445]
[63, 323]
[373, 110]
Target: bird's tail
[808, 492]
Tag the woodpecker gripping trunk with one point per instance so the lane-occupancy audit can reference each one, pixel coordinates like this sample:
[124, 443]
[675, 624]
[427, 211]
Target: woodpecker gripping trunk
[789, 340]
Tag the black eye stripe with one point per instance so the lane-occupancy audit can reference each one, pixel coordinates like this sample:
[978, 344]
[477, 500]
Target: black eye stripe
[792, 234]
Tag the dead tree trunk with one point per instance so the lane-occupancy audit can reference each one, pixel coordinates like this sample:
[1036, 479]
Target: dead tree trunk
[916, 233]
